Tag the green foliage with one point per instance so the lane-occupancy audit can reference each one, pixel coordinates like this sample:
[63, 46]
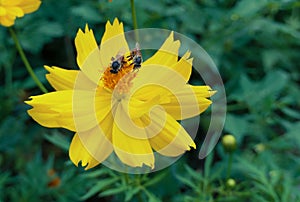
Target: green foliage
[255, 45]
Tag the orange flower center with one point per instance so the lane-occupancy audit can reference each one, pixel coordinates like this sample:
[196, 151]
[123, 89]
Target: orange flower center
[110, 80]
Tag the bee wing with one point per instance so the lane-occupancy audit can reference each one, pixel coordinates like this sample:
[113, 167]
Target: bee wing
[121, 52]
[137, 46]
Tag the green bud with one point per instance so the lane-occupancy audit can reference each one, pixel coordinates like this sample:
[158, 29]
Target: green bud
[259, 147]
[229, 143]
[230, 183]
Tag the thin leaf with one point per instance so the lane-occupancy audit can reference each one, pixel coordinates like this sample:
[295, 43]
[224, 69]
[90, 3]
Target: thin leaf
[99, 187]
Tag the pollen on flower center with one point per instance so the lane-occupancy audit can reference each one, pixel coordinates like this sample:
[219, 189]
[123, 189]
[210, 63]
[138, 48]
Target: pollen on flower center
[125, 83]
[110, 80]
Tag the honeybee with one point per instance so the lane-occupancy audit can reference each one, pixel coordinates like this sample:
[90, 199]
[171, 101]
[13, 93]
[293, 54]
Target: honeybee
[136, 57]
[116, 63]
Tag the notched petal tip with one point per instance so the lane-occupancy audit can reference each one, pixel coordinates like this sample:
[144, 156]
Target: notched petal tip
[193, 145]
[116, 21]
[212, 92]
[86, 28]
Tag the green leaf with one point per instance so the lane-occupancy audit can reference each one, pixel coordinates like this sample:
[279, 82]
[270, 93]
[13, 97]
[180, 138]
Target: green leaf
[186, 181]
[99, 186]
[208, 165]
[131, 192]
[58, 140]
[113, 191]
[97, 173]
[249, 8]
[197, 175]
[237, 126]
[86, 12]
[155, 179]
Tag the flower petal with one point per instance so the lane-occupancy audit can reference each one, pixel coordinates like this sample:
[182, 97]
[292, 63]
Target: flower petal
[53, 109]
[15, 11]
[30, 6]
[88, 55]
[90, 108]
[172, 140]
[61, 79]
[137, 108]
[85, 43]
[188, 102]
[7, 21]
[146, 86]
[131, 151]
[10, 2]
[74, 110]
[93, 146]
[167, 55]
[113, 42]
[2, 11]
[184, 66]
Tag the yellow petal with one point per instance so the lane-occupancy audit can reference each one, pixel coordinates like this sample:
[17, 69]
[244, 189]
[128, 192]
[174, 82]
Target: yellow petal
[7, 21]
[156, 80]
[93, 146]
[10, 2]
[131, 151]
[90, 108]
[184, 66]
[167, 55]
[78, 153]
[74, 110]
[113, 42]
[172, 140]
[15, 11]
[61, 79]
[30, 6]
[53, 109]
[2, 11]
[88, 55]
[188, 102]
[85, 43]
[137, 108]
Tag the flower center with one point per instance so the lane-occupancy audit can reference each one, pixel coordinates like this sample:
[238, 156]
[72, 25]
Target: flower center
[124, 85]
[119, 76]
[111, 78]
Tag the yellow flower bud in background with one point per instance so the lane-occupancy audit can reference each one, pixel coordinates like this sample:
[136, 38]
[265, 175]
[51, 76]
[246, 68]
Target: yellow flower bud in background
[229, 143]
[11, 9]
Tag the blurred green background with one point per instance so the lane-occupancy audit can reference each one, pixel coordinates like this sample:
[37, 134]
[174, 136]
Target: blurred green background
[256, 47]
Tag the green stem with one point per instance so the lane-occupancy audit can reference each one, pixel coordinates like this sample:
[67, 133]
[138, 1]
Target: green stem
[134, 19]
[229, 165]
[138, 183]
[25, 61]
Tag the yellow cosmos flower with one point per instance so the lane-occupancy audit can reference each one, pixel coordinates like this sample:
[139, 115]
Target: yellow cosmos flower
[132, 113]
[10, 9]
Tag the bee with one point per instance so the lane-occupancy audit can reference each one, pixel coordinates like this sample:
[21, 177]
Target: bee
[116, 63]
[136, 57]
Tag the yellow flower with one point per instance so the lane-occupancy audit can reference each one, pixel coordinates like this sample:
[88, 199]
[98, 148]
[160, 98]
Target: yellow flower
[10, 9]
[132, 113]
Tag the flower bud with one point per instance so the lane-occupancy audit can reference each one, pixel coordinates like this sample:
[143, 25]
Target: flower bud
[229, 143]
[259, 147]
[230, 183]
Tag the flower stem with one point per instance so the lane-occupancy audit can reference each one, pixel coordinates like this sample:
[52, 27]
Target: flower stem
[25, 61]
[229, 165]
[134, 19]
